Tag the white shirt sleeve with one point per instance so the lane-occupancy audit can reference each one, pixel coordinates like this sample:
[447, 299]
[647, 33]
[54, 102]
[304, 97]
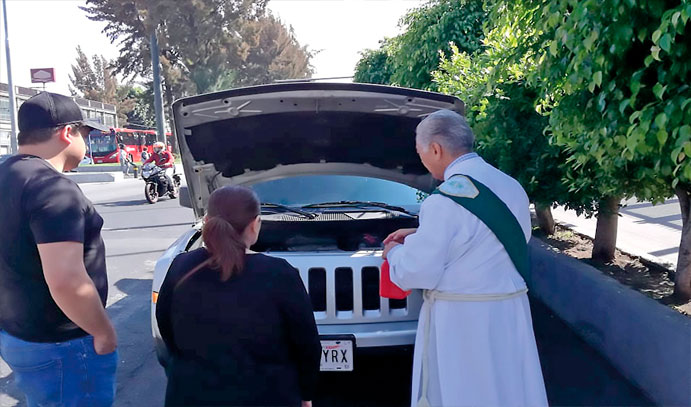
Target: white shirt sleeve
[420, 261]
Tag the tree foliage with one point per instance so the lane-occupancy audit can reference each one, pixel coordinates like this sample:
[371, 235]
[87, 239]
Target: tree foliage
[409, 59]
[271, 52]
[374, 66]
[510, 133]
[143, 113]
[613, 76]
[429, 30]
[204, 45]
[95, 80]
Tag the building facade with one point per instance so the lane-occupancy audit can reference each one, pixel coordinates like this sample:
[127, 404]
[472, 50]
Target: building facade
[102, 112]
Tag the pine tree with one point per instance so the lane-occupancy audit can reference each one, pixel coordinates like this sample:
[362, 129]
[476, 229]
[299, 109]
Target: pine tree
[96, 80]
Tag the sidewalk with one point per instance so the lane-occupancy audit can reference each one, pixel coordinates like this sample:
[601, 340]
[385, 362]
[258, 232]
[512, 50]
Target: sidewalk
[651, 232]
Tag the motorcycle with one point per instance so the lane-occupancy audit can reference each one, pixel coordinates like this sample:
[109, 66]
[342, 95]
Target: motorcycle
[156, 183]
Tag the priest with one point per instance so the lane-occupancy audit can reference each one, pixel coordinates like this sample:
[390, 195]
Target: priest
[475, 344]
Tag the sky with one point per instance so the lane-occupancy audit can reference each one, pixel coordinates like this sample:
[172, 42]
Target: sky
[45, 34]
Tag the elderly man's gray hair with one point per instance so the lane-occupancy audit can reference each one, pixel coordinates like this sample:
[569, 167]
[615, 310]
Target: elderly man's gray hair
[447, 128]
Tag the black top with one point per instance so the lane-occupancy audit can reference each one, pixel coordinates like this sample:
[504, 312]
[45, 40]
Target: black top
[249, 341]
[40, 205]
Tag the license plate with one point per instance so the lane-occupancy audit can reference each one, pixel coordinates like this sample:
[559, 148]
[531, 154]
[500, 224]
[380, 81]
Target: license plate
[337, 355]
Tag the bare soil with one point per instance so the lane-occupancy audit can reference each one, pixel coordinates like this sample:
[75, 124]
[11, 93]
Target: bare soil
[651, 279]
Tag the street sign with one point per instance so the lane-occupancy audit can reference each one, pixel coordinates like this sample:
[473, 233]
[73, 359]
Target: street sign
[42, 75]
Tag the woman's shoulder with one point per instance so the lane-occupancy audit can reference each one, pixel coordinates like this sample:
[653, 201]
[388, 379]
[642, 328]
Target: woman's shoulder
[186, 261]
[265, 259]
[269, 264]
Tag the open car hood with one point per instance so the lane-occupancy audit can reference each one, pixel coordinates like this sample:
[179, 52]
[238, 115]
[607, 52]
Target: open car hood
[249, 135]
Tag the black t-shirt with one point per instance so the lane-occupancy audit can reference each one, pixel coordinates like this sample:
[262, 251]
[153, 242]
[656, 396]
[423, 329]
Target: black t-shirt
[40, 205]
[251, 340]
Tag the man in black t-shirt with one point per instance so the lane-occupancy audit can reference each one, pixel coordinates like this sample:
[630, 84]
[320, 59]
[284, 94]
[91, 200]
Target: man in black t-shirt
[54, 331]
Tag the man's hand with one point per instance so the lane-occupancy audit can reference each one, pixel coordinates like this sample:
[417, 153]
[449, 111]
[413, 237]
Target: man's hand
[399, 235]
[388, 247]
[105, 344]
[306, 403]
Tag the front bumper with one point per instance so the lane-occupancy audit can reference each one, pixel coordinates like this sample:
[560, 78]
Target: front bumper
[370, 336]
[374, 335]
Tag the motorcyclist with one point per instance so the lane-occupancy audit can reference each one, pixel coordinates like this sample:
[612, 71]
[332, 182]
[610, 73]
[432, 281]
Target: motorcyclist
[164, 159]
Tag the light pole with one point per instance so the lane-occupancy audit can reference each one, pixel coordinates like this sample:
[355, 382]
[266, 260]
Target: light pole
[13, 111]
[158, 98]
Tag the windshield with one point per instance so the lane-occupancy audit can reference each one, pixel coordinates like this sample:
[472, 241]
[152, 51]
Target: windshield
[102, 144]
[314, 189]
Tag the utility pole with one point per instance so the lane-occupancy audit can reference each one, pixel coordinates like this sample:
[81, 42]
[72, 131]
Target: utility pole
[13, 101]
[158, 98]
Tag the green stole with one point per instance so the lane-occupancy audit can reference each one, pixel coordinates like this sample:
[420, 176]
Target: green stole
[493, 212]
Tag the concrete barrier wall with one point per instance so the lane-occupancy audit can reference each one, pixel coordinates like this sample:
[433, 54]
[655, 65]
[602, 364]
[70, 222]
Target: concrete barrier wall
[649, 343]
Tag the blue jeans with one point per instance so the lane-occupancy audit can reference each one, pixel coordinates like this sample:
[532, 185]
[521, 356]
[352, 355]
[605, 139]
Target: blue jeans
[68, 374]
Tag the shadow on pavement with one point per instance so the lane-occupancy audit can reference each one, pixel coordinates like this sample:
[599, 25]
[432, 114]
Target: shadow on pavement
[141, 381]
[147, 227]
[135, 253]
[120, 204]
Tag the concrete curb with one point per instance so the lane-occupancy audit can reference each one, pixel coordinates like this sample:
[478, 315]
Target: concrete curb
[90, 177]
[99, 168]
[649, 343]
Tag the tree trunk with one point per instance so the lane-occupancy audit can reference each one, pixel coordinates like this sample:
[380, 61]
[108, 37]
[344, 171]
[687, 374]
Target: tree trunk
[682, 277]
[606, 231]
[544, 218]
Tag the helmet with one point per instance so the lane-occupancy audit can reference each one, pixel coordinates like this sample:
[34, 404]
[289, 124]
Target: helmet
[158, 147]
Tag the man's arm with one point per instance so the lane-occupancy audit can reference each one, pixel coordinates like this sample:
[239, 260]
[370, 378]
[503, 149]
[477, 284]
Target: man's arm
[148, 160]
[170, 161]
[74, 292]
[420, 261]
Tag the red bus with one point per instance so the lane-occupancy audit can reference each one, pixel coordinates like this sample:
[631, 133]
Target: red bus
[104, 147]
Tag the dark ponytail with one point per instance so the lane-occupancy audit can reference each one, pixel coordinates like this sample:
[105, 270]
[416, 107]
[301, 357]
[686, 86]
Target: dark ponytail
[231, 209]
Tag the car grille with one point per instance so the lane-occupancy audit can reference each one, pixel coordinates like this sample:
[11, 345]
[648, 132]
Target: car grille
[350, 294]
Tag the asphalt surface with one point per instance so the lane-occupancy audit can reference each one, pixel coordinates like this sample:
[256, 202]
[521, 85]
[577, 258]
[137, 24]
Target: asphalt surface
[136, 233]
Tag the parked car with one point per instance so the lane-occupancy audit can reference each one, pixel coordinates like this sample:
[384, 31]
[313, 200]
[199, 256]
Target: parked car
[336, 170]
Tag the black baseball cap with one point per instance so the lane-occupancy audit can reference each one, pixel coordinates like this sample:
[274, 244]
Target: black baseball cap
[47, 110]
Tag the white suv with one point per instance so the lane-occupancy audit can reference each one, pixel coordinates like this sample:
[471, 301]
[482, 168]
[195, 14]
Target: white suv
[336, 170]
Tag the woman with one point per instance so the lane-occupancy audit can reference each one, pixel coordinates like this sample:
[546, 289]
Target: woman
[239, 325]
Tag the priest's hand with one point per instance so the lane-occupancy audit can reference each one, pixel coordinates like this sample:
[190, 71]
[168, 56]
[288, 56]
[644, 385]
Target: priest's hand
[388, 247]
[399, 235]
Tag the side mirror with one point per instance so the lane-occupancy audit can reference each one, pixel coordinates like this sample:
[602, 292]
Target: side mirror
[184, 197]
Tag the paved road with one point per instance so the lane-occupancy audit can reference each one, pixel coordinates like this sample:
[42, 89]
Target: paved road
[136, 233]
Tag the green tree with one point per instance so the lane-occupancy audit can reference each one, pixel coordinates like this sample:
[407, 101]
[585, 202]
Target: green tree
[143, 113]
[96, 80]
[614, 78]
[201, 45]
[510, 133]
[375, 65]
[272, 52]
[429, 30]
[204, 45]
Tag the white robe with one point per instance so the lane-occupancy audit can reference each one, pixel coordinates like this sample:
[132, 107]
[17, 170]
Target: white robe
[480, 353]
